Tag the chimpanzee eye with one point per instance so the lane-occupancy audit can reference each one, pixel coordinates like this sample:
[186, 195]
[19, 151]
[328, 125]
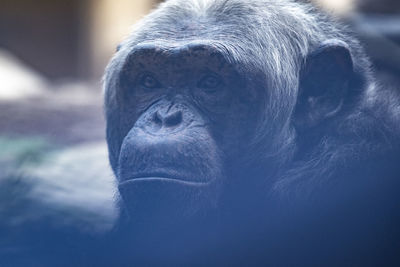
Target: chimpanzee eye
[148, 81]
[210, 83]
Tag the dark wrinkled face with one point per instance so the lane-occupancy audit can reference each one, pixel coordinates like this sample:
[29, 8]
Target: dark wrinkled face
[183, 111]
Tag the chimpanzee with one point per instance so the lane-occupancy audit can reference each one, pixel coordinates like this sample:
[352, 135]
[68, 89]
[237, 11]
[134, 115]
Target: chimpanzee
[263, 117]
[245, 132]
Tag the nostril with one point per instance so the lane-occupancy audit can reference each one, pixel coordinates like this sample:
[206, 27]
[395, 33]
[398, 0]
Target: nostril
[173, 119]
[157, 119]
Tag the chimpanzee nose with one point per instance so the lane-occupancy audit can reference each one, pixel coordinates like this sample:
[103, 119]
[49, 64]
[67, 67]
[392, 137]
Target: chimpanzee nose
[168, 119]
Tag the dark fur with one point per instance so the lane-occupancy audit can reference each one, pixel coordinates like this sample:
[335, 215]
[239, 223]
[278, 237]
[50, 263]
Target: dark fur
[296, 165]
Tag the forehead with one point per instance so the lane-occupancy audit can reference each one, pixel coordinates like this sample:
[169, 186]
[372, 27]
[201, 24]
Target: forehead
[178, 54]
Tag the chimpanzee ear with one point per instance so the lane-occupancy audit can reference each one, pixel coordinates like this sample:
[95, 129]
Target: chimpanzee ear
[324, 83]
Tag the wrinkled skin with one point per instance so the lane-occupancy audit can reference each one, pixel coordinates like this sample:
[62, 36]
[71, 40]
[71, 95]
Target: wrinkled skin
[181, 110]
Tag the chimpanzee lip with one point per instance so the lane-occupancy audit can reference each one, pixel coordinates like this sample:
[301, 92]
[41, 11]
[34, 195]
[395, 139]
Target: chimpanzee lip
[163, 177]
[162, 180]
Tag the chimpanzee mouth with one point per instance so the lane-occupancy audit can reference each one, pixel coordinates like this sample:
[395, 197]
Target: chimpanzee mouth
[172, 176]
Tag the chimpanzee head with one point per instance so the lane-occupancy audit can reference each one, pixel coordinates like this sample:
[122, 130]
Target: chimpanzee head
[208, 102]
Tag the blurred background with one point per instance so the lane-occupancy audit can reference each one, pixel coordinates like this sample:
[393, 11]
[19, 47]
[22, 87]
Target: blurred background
[52, 56]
